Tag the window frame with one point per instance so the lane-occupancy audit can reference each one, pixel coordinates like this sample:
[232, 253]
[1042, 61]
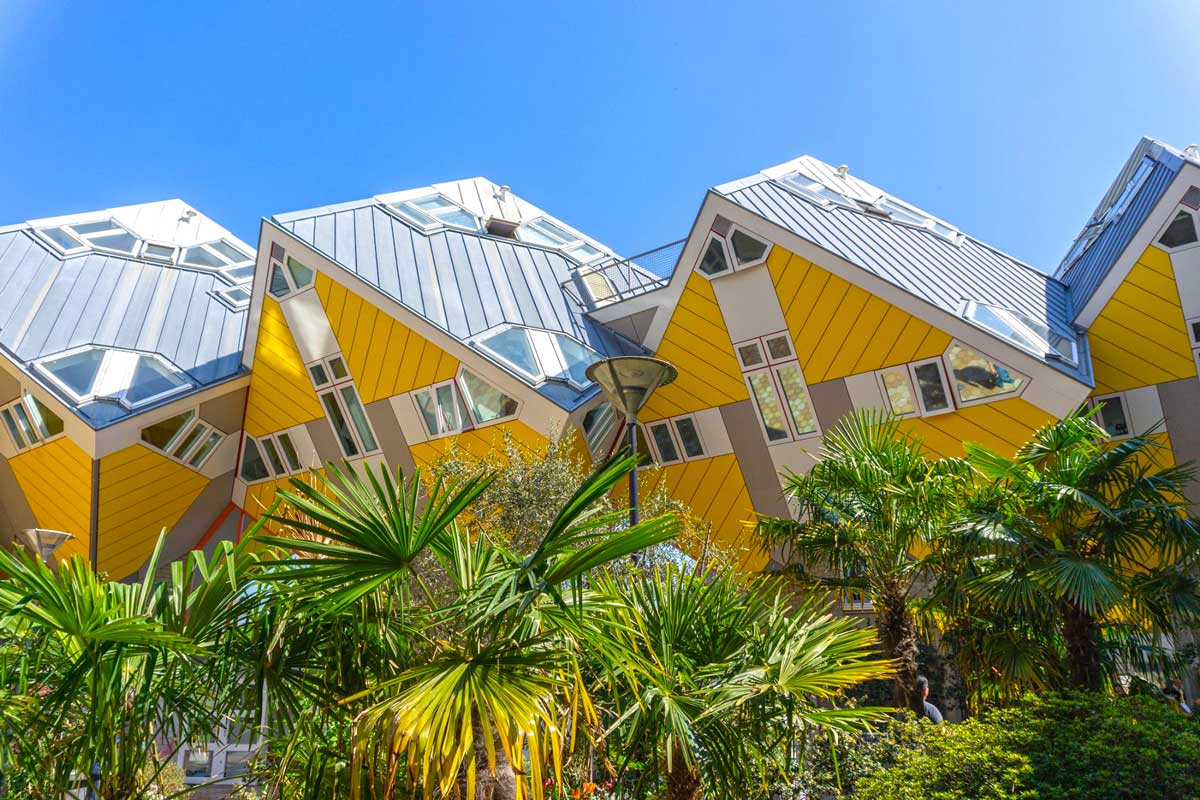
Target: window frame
[222, 295]
[573, 240]
[181, 436]
[613, 294]
[735, 228]
[543, 344]
[1123, 399]
[143, 251]
[465, 396]
[334, 385]
[946, 387]
[468, 419]
[671, 424]
[1010, 316]
[948, 374]
[603, 442]
[102, 373]
[13, 422]
[912, 389]
[1179, 209]
[772, 370]
[1193, 332]
[411, 213]
[731, 264]
[284, 268]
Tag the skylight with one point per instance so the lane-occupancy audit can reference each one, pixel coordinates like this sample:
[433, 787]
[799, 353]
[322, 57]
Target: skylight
[550, 234]
[100, 373]
[816, 191]
[539, 355]
[222, 256]
[879, 205]
[103, 234]
[1096, 226]
[1023, 331]
[433, 210]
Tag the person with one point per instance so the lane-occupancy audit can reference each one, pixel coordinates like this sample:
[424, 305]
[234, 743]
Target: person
[931, 711]
[1173, 691]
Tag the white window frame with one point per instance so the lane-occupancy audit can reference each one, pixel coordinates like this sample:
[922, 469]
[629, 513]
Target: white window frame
[444, 430]
[193, 449]
[334, 385]
[410, 207]
[671, 424]
[223, 296]
[41, 435]
[285, 269]
[601, 444]
[948, 374]
[730, 251]
[781, 397]
[1163, 232]
[1009, 316]
[119, 363]
[887, 400]
[547, 351]
[729, 260]
[465, 395]
[1093, 402]
[568, 245]
[1191, 332]
[144, 251]
[916, 385]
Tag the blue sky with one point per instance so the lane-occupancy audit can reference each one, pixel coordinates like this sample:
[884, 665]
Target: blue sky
[1007, 119]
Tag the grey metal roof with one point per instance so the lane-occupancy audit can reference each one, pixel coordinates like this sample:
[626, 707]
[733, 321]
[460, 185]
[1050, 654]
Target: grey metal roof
[50, 303]
[1086, 272]
[942, 271]
[463, 282]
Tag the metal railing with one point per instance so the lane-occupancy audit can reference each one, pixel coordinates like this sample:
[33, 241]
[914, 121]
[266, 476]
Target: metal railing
[623, 278]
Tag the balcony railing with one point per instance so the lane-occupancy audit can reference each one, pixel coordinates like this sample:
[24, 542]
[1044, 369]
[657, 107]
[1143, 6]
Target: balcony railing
[619, 279]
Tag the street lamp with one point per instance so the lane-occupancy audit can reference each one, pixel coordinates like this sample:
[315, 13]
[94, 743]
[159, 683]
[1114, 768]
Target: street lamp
[628, 381]
[44, 542]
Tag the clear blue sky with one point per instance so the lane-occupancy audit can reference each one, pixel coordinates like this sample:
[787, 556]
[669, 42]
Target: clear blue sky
[1008, 119]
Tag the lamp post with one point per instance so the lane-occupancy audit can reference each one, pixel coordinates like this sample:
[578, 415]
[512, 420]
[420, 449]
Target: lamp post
[628, 381]
[44, 541]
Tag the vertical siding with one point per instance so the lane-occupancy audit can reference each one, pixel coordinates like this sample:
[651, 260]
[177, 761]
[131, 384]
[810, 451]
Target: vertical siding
[57, 481]
[840, 329]
[697, 342]
[385, 357]
[1140, 338]
[141, 493]
[281, 394]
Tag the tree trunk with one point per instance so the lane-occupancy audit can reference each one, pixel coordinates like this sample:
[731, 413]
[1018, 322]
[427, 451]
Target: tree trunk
[683, 780]
[898, 636]
[1081, 635]
[500, 786]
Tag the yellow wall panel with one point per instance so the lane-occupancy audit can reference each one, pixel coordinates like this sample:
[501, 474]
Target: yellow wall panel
[385, 357]
[480, 443]
[260, 496]
[57, 481]
[141, 493]
[281, 393]
[1139, 338]
[1001, 425]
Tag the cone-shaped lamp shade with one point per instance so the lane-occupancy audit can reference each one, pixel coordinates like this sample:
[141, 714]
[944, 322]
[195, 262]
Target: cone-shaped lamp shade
[44, 542]
[630, 380]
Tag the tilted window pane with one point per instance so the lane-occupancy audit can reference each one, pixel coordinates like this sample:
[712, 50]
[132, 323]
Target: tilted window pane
[577, 357]
[121, 242]
[253, 468]
[25, 425]
[62, 238]
[273, 458]
[10, 422]
[976, 376]
[428, 411]
[279, 285]
[151, 378]
[751, 354]
[163, 434]
[486, 401]
[929, 384]
[99, 226]
[1112, 416]
[689, 437]
[746, 248]
[550, 233]
[46, 421]
[358, 416]
[301, 275]
[714, 261]
[190, 439]
[769, 407]
[797, 399]
[899, 391]
[779, 347]
[583, 251]
[512, 345]
[338, 367]
[598, 424]
[319, 377]
[289, 452]
[598, 286]
[159, 251]
[1181, 231]
[200, 257]
[450, 409]
[534, 235]
[229, 251]
[663, 441]
[77, 371]
[421, 219]
[203, 450]
[338, 420]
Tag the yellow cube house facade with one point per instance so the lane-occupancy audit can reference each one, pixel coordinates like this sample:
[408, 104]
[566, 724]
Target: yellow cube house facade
[154, 378]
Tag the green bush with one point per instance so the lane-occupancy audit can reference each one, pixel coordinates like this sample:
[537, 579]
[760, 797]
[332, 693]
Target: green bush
[1080, 746]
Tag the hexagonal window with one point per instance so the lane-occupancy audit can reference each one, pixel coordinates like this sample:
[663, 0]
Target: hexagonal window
[746, 249]
[1180, 232]
[714, 261]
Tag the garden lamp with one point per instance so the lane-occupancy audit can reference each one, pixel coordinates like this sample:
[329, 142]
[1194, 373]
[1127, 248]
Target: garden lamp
[628, 381]
[44, 541]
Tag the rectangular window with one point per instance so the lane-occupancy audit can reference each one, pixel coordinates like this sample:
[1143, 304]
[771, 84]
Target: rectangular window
[273, 459]
[896, 385]
[664, 443]
[1193, 326]
[358, 416]
[675, 439]
[253, 468]
[599, 427]
[804, 421]
[780, 394]
[333, 411]
[29, 422]
[203, 451]
[770, 409]
[343, 408]
[289, 452]
[932, 389]
[1112, 416]
[442, 409]
[689, 437]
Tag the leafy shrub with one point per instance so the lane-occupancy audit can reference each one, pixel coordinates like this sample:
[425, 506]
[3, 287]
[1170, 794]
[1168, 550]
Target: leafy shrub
[1079, 746]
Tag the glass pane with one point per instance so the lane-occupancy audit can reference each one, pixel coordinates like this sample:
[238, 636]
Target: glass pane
[46, 421]
[279, 285]
[289, 452]
[976, 376]
[428, 411]
[120, 241]
[583, 251]
[577, 357]
[202, 452]
[199, 257]
[338, 367]
[433, 204]
[301, 275]
[899, 391]
[62, 238]
[997, 323]
[929, 384]
[236, 762]
[240, 273]
[24, 424]
[513, 346]
[358, 416]
[746, 248]
[598, 425]
[198, 763]
[159, 251]
[163, 434]
[273, 458]
[550, 233]
[253, 468]
[238, 295]
[77, 371]
[531, 233]
[797, 399]
[598, 286]
[421, 219]
[338, 420]
[769, 407]
[714, 261]
[663, 441]
[459, 218]
[1181, 231]
[779, 347]
[486, 401]
[1112, 416]
[689, 437]
[229, 251]
[190, 439]
[317, 371]
[151, 378]
[448, 408]
[751, 354]
[10, 422]
[93, 227]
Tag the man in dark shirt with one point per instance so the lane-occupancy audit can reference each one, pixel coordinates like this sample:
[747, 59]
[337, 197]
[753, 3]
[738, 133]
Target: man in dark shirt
[931, 711]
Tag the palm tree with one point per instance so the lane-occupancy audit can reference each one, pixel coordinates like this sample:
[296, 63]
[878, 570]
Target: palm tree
[1091, 535]
[716, 681]
[869, 509]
